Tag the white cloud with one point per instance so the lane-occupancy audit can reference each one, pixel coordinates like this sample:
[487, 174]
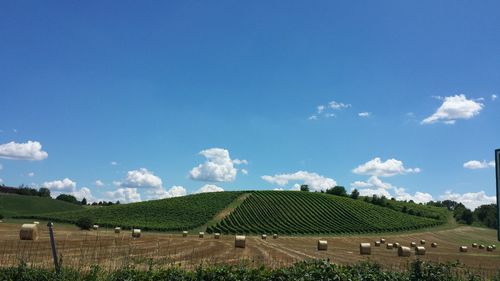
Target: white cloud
[141, 178]
[84, 192]
[474, 164]
[65, 185]
[278, 189]
[244, 171]
[1, 180]
[471, 200]
[372, 182]
[374, 191]
[315, 181]
[389, 168]
[124, 195]
[364, 114]
[99, 183]
[338, 105]
[113, 163]
[218, 166]
[494, 97]
[31, 150]
[313, 117]
[320, 108]
[454, 108]
[329, 115]
[209, 188]
[161, 193]
[31, 174]
[375, 186]
[418, 197]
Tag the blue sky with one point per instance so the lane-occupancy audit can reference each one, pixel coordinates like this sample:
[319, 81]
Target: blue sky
[152, 85]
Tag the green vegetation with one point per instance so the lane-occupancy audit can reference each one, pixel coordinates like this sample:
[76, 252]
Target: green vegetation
[18, 205]
[171, 214]
[305, 271]
[289, 212]
[85, 223]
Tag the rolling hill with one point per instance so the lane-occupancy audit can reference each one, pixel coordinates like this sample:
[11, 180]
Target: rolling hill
[18, 205]
[283, 212]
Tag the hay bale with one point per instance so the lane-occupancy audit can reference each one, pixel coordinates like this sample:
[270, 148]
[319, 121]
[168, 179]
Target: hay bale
[404, 251]
[275, 236]
[463, 249]
[239, 241]
[263, 236]
[29, 231]
[136, 233]
[184, 234]
[377, 243]
[201, 234]
[365, 249]
[489, 249]
[413, 244]
[216, 235]
[396, 245]
[434, 245]
[474, 245]
[118, 229]
[481, 246]
[422, 242]
[420, 250]
[382, 241]
[322, 245]
[36, 222]
[95, 227]
[494, 247]
[389, 246]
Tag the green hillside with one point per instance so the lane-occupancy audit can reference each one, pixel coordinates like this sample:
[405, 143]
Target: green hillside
[178, 213]
[17, 205]
[292, 212]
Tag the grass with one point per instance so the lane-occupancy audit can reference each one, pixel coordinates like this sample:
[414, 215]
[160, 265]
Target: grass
[19, 205]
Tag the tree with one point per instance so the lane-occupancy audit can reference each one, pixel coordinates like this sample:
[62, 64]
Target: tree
[44, 192]
[337, 190]
[68, 198]
[304, 187]
[84, 201]
[355, 194]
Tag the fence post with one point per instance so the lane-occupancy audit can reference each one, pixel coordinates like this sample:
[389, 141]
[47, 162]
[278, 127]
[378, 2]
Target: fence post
[53, 245]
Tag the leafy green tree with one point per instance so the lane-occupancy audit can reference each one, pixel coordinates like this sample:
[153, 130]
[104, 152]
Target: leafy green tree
[84, 201]
[304, 187]
[44, 192]
[85, 223]
[337, 190]
[68, 198]
[355, 194]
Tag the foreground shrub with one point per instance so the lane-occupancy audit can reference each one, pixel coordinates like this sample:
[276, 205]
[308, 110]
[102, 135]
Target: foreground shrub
[85, 223]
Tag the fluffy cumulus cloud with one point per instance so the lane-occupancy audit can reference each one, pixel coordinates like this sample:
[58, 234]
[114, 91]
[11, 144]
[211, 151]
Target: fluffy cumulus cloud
[418, 197]
[389, 168]
[454, 108]
[113, 163]
[84, 192]
[65, 185]
[31, 174]
[364, 114]
[161, 193]
[99, 183]
[124, 195]
[494, 97]
[31, 150]
[209, 188]
[244, 171]
[474, 164]
[141, 178]
[471, 200]
[315, 181]
[218, 166]
[375, 186]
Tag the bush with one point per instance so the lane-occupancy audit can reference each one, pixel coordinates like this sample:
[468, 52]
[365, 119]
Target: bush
[85, 223]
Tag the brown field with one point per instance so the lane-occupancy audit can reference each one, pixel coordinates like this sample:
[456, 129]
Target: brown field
[81, 249]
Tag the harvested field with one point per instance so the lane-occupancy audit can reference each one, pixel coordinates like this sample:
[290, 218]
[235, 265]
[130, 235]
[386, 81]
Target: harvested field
[81, 249]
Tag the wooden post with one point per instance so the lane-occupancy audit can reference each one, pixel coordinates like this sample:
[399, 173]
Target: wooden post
[53, 245]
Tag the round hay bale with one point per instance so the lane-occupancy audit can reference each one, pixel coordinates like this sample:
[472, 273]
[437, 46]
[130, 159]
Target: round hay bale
[389, 246]
[434, 245]
[474, 245]
[36, 222]
[404, 251]
[420, 250]
[322, 245]
[239, 241]
[275, 236]
[494, 246]
[263, 236]
[489, 249]
[136, 233]
[382, 241]
[422, 242]
[118, 229]
[396, 245]
[365, 249]
[413, 244]
[184, 234]
[463, 249]
[481, 246]
[201, 234]
[216, 235]
[377, 243]
[29, 231]
[95, 227]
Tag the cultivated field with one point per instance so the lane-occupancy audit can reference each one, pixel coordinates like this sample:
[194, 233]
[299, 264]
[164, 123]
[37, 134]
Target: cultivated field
[80, 249]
